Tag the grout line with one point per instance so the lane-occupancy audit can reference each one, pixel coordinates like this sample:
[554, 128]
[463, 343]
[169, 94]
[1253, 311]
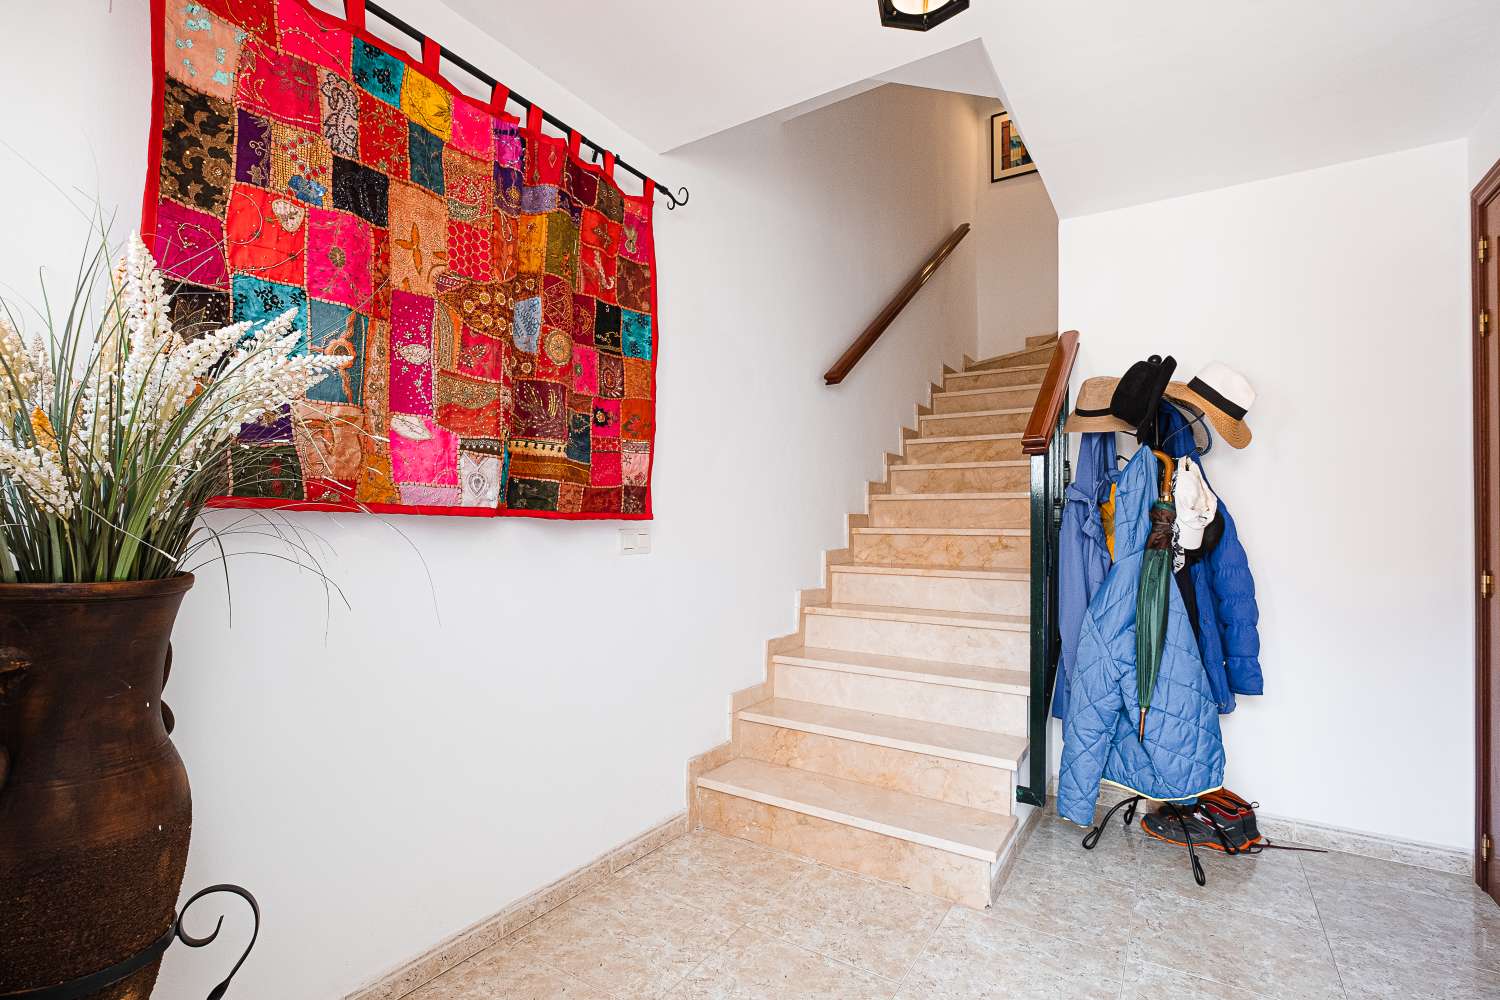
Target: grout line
[901, 985]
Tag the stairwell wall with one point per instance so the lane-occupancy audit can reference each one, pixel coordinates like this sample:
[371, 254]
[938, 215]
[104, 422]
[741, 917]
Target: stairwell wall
[1342, 294]
[506, 700]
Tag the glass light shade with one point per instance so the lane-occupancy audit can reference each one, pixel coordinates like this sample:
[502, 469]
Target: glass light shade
[920, 7]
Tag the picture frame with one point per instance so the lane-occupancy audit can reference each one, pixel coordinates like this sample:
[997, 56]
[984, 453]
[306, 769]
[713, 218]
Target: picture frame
[1009, 156]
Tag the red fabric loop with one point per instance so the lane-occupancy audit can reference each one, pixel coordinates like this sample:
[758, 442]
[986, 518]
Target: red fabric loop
[432, 54]
[609, 164]
[575, 143]
[498, 97]
[534, 118]
[649, 192]
[354, 13]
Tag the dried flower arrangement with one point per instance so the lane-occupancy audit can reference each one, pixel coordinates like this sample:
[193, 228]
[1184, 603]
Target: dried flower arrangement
[113, 427]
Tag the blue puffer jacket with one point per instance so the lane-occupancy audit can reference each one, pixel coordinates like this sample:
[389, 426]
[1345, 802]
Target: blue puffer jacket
[1182, 755]
[1083, 554]
[1228, 618]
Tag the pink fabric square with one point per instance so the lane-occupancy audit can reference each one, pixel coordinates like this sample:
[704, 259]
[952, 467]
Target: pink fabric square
[585, 370]
[189, 245]
[636, 240]
[411, 353]
[606, 418]
[635, 463]
[508, 148]
[604, 469]
[339, 255]
[423, 451]
[302, 35]
[419, 495]
[473, 130]
[279, 85]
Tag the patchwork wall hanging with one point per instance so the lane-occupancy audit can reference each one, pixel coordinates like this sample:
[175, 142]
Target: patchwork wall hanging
[496, 292]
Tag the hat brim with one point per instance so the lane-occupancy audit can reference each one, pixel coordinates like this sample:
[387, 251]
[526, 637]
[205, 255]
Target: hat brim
[1236, 433]
[1095, 395]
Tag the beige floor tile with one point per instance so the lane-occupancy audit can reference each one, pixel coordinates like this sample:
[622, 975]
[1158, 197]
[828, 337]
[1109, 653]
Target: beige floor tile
[1270, 883]
[973, 957]
[1357, 869]
[1461, 929]
[1071, 904]
[874, 926]
[733, 878]
[1058, 843]
[1144, 981]
[625, 938]
[756, 966]
[1207, 939]
[1376, 972]
[502, 973]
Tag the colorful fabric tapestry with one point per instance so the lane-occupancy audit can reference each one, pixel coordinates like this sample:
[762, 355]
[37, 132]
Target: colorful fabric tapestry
[496, 293]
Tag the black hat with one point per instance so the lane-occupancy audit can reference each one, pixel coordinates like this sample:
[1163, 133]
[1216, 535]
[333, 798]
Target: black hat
[1139, 393]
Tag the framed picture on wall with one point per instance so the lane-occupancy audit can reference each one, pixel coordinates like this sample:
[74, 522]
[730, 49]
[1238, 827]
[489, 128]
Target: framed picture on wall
[1008, 154]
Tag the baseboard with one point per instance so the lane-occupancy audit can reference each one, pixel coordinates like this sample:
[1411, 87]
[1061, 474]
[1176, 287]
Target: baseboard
[491, 930]
[1287, 829]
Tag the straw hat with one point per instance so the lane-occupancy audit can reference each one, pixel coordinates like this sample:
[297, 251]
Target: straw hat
[1091, 413]
[1221, 394]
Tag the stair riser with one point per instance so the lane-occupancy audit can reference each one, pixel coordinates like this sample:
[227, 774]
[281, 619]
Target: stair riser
[982, 513]
[986, 647]
[1041, 340]
[999, 399]
[954, 426]
[1034, 356]
[991, 711]
[1000, 479]
[926, 869]
[1001, 597]
[918, 452]
[996, 379]
[961, 782]
[944, 551]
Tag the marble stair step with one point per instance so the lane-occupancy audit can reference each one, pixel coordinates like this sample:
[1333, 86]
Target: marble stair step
[995, 378]
[980, 548]
[1028, 356]
[961, 589]
[955, 636]
[1042, 339]
[974, 746]
[958, 477]
[962, 400]
[993, 697]
[975, 677]
[969, 833]
[963, 448]
[950, 510]
[1011, 420]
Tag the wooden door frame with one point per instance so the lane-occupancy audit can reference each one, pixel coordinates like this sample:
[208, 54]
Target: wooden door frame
[1486, 191]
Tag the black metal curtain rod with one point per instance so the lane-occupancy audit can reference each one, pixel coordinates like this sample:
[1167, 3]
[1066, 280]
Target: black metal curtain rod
[673, 200]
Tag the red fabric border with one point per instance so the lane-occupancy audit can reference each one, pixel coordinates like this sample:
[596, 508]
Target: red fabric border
[152, 195]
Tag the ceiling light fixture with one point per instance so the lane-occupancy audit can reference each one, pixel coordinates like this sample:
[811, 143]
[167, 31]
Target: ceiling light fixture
[919, 15]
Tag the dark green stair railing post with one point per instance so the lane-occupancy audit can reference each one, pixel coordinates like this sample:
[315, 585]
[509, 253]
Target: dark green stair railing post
[1047, 445]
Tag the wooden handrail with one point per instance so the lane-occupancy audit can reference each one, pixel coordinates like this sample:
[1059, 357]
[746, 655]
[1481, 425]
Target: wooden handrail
[846, 362]
[1049, 401]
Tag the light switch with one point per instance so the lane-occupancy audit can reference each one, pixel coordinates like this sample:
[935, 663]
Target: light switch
[635, 541]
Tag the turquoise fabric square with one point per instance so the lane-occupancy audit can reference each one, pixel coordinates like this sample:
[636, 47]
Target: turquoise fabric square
[378, 72]
[527, 328]
[340, 331]
[635, 331]
[259, 301]
[426, 158]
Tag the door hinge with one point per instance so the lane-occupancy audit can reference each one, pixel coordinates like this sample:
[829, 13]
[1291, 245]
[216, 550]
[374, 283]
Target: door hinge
[1484, 323]
[1484, 849]
[1486, 584]
[1484, 249]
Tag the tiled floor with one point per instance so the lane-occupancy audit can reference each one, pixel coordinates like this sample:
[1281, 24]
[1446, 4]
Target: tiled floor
[712, 918]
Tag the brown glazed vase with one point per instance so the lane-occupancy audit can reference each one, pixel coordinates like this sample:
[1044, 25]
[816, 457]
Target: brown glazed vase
[95, 810]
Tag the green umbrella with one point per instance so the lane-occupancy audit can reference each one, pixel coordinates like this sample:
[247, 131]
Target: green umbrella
[1151, 603]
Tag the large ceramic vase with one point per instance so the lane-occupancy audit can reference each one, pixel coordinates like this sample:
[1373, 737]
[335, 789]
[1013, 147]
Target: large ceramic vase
[94, 804]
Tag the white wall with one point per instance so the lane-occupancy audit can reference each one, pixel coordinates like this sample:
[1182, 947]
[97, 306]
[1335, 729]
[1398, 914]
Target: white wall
[383, 777]
[1342, 294]
[1015, 229]
[1484, 143]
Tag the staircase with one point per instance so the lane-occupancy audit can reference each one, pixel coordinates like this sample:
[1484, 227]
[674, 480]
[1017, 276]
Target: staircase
[898, 714]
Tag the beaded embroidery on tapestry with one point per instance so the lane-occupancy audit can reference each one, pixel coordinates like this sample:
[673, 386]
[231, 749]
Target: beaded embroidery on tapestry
[496, 293]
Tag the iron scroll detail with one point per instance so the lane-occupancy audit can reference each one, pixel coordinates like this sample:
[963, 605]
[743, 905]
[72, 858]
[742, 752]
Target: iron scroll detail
[83, 986]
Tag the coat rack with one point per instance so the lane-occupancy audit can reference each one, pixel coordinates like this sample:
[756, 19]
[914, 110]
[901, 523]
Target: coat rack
[680, 197]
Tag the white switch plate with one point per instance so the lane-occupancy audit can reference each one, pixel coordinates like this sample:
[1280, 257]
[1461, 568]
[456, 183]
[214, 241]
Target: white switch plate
[635, 541]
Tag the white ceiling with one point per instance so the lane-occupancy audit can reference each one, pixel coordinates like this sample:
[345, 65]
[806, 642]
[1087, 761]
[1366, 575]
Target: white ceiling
[1121, 103]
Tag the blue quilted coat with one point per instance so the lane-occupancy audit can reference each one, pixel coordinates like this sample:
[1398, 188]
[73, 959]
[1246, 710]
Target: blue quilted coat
[1182, 755]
